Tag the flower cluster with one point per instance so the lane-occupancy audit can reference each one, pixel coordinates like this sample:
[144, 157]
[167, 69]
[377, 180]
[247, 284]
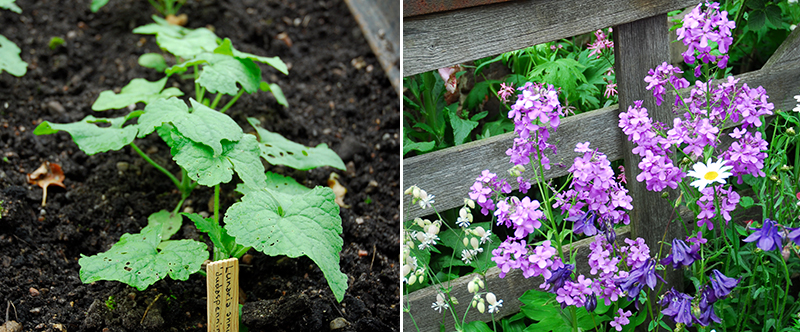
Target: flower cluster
[701, 30]
[486, 185]
[474, 238]
[539, 260]
[420, 196]
[727, 198]
[602, 42]
[535, 113]
[478, 302]
[708, 109]
[688, 310]
[594, 188]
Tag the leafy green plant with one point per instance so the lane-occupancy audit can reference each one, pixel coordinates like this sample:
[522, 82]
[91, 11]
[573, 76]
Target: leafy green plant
[276, 215]
[111, 303]
[10, 60]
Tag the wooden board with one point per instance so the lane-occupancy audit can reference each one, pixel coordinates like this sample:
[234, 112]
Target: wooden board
[222, 285]
[448, 174]
[444, 39]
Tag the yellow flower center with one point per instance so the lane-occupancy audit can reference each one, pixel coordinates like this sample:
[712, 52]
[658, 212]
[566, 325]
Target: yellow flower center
[711, 175]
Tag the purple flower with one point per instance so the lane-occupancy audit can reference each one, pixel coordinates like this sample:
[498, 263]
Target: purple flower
[794, 235]
[559, 277]
[706, 307]
[591, 303]
[681, 254]
[574, 293]
[721, 285]
[635, 281]
[621, 320]
[584, 224]
[678, 306]
[768, 236]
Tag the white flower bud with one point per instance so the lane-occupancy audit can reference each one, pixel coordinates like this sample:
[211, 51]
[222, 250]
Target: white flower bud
[474, 242]
[470, 203]
[491, 298]
[472, 287]
[416, 192]
[410, 190]
[405, 270]
[479, 231]
[465, 241]
[481, 306]
[412, 279]
[432, 229]
[480, 282]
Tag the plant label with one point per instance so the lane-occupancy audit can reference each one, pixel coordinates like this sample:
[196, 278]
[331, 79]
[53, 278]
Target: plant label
[222, 284]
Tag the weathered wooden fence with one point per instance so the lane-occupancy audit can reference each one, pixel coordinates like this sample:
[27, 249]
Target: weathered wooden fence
[435, 40]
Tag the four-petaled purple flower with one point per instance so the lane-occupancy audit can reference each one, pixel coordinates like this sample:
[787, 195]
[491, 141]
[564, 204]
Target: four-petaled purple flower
[767, 236]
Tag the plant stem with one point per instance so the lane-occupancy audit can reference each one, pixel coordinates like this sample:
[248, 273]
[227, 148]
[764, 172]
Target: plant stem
[216, 203]
[157, 166]
[178, 207]
[198, 90]
[216, 100]
[230, 103]
[241, 252]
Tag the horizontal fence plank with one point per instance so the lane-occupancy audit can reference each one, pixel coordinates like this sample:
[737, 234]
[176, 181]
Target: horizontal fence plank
[448, 174]
[443, 39]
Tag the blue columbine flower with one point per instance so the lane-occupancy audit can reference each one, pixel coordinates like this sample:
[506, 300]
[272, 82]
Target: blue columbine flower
[721, 285]
[638, 278]
[584, 224]
[794, 235]
[591, 303]
[706, 307]
[681, 254]
[678, 306]
[768, 236]
[560, 276]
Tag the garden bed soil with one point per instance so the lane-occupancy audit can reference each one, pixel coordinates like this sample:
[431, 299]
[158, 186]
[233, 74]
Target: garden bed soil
[337, 94]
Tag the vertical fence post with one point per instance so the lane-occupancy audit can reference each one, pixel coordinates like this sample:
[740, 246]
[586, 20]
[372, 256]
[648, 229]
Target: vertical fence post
[639, 46]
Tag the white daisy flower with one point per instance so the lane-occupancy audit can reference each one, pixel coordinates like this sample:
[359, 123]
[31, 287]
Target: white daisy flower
[708, 174]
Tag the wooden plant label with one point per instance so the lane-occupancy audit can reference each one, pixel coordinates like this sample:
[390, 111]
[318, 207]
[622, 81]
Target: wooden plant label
[222, 283]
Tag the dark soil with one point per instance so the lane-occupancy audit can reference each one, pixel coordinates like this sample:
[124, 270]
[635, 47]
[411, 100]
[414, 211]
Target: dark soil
[333, 100]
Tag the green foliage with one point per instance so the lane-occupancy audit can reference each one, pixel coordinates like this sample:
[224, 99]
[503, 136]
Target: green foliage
[97, 4]
[153, 60]
[165, 7]
[92, 138]
[55, 42]
[139, 90]
[543, 308]
[209, 146]
[143, 258]
[277, 150]
[294, 225]
[9, 58]
[10, 5]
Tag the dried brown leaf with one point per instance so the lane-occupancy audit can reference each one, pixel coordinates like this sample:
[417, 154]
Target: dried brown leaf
[46, 175]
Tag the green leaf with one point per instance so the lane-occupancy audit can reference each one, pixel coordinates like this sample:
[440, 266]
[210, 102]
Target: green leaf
[141, 259]
[90, 138]
[296, 225]
[219, 237]
[166, 221]
[277, 183]
[97, 4]
[226, 48]
[9, 58]
[756, 19]
[278, 150]
[180, 41]
[756, 4]
[476, 326]
[9, 4]
[223, 72]
[461, 128]
[479, 116]
[773, 13]
[276, 91]
[409, 145]
[746, 202]
[153, 60]
[208, 168]
[202, 124]
[138, 90]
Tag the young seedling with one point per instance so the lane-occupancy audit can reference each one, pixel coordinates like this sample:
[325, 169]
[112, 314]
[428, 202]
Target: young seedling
[165, 7]
[276, 215]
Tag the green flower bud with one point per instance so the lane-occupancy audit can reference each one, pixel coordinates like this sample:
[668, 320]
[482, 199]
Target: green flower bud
[790, 131]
